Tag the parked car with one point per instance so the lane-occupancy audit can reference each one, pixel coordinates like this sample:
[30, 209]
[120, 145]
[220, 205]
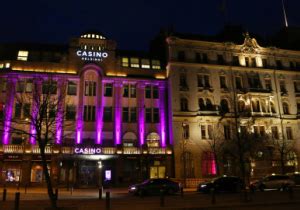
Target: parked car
[279, 182]
[295, 177]
[154, 186]
[222, 184]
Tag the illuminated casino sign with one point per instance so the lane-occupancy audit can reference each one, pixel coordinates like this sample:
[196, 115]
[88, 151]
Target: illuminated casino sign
[91, 55]
[87, 151]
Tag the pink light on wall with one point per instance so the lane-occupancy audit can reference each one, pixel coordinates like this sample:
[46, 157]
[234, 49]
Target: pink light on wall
[78, 137]
[141, 112]
[118, 112]
[99, 115]
[162, 115]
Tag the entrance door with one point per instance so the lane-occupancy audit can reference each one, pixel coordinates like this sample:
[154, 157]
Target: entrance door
[87, 174]
[157, 172]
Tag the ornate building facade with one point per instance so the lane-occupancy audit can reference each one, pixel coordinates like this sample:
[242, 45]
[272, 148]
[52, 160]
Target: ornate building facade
[216, 87]
[114, 114]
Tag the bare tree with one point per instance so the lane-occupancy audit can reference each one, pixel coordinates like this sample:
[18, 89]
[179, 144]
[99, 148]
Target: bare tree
[42, 122]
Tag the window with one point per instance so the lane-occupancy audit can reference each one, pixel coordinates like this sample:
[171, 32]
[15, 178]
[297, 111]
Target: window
[241, 106]
[181, 56]
[108, 90]
[223, 82]
[125, 62]
[22, 55]
[90, 88]
[107, 114]
[255, 105]
[224, 106]
[133, 114]
[282, 86]
[201, 104]
[203, 81]
[235, 60]
[273, 110]
[89, 113]
[148, 115]
[298, 107]
[156, 64]
[49, 87]
[3, 85]
[208, 163]
[297, 86]
[72, 88]
[182, 80]
[183, 104]
[254, 81]
[26, 111]
[227, 132]
[259, 131]
[275, 132]
[289, 134]
[155, 115]
[206, 131]
[125, 114]
[20, 86]
[132, 91]
[268, 84]
[126, 91]
[204, 58]
[148, 91]
[145, 63]
[203, 132]
[18, 110]
[247, 61]
[186, 131]
[278, 64]
[52, 111]
[155, 92]
[238, 83]
[70, 112]
[220, 59]
[253, 62]
[198, 58]
[28, 87]
[134, 63]
[285, 108]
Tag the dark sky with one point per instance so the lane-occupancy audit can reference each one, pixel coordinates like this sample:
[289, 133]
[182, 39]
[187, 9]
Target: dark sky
[133, 23]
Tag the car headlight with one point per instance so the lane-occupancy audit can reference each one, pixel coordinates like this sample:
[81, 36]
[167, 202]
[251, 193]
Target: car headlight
[203, 185]
[133, 188]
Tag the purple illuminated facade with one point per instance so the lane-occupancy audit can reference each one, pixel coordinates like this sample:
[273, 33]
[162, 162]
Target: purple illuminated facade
[112, 104]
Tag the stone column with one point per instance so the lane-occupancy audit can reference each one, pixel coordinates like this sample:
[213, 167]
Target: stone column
[141, 112]
[118, 112]
[9, 106]
[79, 119]
[162, 115]
[99, 111]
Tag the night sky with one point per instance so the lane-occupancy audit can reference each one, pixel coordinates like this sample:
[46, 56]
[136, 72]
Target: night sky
[133, 23]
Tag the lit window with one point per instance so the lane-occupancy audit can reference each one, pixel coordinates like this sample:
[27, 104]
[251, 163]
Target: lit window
[145, 64]
[156, 64]
[1, 65]
[134, 63]
[22, 55]
[125, 62]
[7, 65]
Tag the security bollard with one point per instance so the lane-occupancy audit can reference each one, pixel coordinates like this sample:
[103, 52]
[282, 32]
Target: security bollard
[107, 201]
[162, 198]
[4, 194]
[17, 200]
[100, 193]
[213, 196]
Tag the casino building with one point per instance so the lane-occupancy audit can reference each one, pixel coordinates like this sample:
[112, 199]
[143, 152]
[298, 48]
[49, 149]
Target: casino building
[116, 128]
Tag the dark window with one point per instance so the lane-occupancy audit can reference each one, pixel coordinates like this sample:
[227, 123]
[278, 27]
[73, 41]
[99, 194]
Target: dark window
[125, 114]
[181, 56]
[18, 110]
[246, 61]
[155, 92]
[133, 114]
[275, 132]
[20, 86]
[148, 91]
[289, 134]
[182, 80]
[198, 57]
[209, 105]
[52, 111]
[223, 82]
[297, 86]
[90, 88]
[278, 64]
[107, 114]
[268, 84]
[132, 91]
[186, 131]
[204, 58]
[227, 132]
[285, 108]
[72, 88]
[49, 87]
[70, 112]
[89, 113]
[292, 65]
[238, 83]
[264, 62]
[282, 86]
[220, 59]
[253, 62]
[108, 90]
[201, 104]
[224, 106]
[298, 107]
[148, 115]
[125, 91]
[184, 104]
[26, 110]
[155, 115]
[235, 61]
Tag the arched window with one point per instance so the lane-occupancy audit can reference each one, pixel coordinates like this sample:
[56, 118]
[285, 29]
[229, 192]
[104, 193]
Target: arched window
[187, 165]
[201, 104]
[273, 110]
[153, 140]
[224, 106]
[241, 106]
[285, 108]
[183, 104]
[129, 139]
[209, 165]
[209, 105]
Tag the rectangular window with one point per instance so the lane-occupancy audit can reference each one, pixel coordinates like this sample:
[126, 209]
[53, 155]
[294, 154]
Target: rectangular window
[182, 80]
[20, 86]
[246, 61]
[297, 86]
[275, 132]
[278, 64]
[155, 92]
[90, 88]
[126, 91]
[282, 86]
[89, 113]
[203, 81]
[186, 131]
[268, 84]
[227, 132]
[210, 131]
[181, 56]
[18, 110]
[148, 115]
[49, 87]
[220, 59]
[145, 63]
[125, 115]
[265, 62]
[132, 91]
[298, 107]
[108, 90]
[204, 58]
[125, 62]
[203, 132]
[72, 88]
[134, 63]
[200, 81]
[155, 115]
[156, 64]
[107, 114]
[26, 110]
[238, 83]
[148, 91]
[28, 88]
[52, 111]
[3, 85]
[22, 55]
[223, 82]
[133, 114]
[235, 60]
[70, 112]
[198, 57]
[289, 134]
[253, 62]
